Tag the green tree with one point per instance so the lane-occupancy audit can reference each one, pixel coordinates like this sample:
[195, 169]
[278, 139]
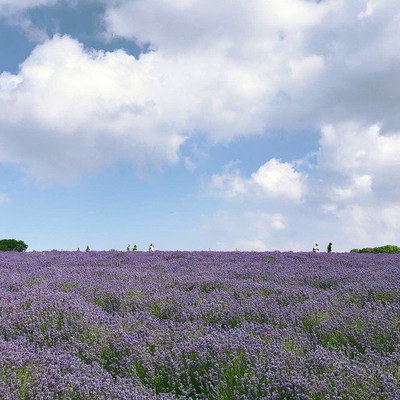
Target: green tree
[390, 249]
[387, 249]
[13, 245]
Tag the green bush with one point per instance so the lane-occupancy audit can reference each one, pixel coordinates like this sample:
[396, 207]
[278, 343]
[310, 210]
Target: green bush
[389, 249]
[366, 250]
[13, 245]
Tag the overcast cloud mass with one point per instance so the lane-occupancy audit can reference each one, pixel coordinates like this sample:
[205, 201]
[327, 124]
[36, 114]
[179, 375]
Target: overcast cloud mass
[217, 72]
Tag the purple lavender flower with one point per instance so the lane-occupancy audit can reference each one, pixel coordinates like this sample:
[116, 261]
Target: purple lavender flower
[199, 325]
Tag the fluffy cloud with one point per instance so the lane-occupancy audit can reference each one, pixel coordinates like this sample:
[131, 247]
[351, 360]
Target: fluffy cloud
[365, 225]
[274, 179]
[351, 194]
[366, 208]
[176, 25]
[217, 69]
[229, 185]
[274, 193]
[225, 70]
[70, 111]
[361, 184]
[280, 180]
[361, 161]
[351, 148]
[251, 55]
[316, 62]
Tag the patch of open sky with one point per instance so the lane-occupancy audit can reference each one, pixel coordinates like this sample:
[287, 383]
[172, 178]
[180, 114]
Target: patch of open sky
[14, 47]
[10, 177]
[106, 210]
[84, 23]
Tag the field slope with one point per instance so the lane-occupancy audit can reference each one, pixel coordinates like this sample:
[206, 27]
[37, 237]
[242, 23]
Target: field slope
[199, 325]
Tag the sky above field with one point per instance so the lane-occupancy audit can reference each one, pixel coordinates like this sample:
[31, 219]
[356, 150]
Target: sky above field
[197, 125]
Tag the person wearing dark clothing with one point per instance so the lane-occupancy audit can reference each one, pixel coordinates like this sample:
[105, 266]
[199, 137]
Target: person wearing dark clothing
[329, 248]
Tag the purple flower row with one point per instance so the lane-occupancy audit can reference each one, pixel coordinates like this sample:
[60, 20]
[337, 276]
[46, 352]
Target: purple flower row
[199, 325]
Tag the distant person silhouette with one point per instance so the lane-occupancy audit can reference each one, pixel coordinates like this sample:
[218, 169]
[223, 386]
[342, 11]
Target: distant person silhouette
[128, 248]
[315, 249]
[329, 248]
[151, 247]
[87, 248]
[134, 248]
[78, 249]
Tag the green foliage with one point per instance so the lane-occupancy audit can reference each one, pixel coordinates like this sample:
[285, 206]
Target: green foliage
[233, 372]
[389, 249]
[25, 377]
[366, 250]
[13, 245]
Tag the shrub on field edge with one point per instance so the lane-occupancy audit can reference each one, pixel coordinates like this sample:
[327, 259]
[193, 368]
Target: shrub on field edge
[13, 245]
[390, 249]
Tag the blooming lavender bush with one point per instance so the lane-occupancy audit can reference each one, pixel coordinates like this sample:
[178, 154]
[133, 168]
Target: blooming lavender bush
[199, 325]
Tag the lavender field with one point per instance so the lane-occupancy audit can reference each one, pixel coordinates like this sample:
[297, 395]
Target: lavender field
[199, 325]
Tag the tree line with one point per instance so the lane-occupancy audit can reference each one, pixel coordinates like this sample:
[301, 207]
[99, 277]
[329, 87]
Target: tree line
[382, 249]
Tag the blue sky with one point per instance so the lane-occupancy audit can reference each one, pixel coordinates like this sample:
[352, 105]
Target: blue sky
[256, 125]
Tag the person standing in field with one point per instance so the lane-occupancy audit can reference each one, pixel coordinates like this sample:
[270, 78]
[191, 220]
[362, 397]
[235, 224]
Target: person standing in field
[329, 248]
[315, 249]
[151, 247]
[128, 248]
[134, 248]
[87, 248]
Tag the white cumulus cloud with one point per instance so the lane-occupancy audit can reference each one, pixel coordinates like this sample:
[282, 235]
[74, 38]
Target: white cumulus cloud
[70, 111]
[175, 25]
[280, 180]
[351, 147]
[316, 62]
[361, 184]
[362, 164]
[274, 180]
[219, 68]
